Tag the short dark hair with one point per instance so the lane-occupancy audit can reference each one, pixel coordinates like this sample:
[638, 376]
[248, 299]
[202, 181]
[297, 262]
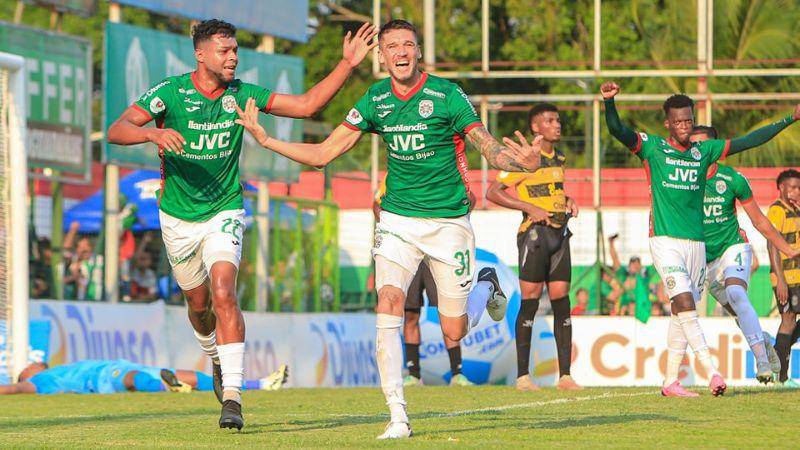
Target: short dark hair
[397, 24]
[678, 101]
[785, 175]
[207, 28]
[705, 129]
[540, 108]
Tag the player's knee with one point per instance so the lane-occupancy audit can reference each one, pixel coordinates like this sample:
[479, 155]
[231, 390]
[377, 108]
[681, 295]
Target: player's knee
[391, 296]
[223, 296]
[197, 302]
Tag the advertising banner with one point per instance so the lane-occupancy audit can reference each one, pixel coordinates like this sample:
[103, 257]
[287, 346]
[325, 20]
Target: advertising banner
[137, 58]
[59, 88]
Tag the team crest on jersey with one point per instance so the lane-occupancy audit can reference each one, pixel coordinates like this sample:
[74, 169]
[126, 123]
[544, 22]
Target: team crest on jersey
[670, 283]
[696, 153]
[156, 105]
[425, 108]
[354, 117]
[229, 103]
[721, 187]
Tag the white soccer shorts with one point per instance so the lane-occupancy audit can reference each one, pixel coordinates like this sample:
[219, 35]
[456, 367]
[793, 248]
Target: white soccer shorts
[735, 262]
[446, 245]
[681, 263]
[193, 247]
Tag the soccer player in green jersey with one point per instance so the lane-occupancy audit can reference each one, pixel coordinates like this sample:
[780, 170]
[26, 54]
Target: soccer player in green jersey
[424, 120]
[200, 200]
[729, 254]
[676, 170]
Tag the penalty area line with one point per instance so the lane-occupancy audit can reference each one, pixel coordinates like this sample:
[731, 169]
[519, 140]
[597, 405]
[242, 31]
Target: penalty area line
[557, 401]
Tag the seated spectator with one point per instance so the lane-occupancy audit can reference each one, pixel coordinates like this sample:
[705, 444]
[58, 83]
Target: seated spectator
[582, 299]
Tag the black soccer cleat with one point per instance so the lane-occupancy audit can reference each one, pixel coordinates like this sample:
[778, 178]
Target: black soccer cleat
[216, 370]
[231, 416]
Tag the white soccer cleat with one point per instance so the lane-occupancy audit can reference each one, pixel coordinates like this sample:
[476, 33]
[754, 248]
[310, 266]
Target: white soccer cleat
[764, 372]
[774, 359]
[275, 380]
[396, 430]
[497, 304]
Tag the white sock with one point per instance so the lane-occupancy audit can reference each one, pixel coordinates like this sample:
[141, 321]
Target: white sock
[476, 302]
[231, 358]
[208, 344]
[389, 356]
[747, 319]
[676, 350]
[694, 335]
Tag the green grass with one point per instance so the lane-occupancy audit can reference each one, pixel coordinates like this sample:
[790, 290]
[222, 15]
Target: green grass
[496, 417]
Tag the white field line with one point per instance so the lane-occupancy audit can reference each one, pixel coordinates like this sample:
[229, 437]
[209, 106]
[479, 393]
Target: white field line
[557, 401]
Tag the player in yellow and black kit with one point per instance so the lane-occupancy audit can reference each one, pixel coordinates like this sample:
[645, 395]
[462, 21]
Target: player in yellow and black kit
[784, 271]
[543, 243]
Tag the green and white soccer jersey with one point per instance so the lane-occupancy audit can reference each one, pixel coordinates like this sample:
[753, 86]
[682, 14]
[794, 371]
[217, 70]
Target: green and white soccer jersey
[424, 131]
[677, 178]
[720, 226]
[204, 180]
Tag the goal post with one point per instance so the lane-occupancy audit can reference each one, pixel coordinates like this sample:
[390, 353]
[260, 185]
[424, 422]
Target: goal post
[14, 282]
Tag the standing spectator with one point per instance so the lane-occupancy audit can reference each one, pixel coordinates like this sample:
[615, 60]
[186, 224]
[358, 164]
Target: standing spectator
[635, 298]
[41, 269]
[144, 283]
[84, 277]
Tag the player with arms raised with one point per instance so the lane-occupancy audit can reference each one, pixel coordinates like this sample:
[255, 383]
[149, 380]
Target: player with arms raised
[200, 200]
[729, 255]
[676, 171]
[423, 120]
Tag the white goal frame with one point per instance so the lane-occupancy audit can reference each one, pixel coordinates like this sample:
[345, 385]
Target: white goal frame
[17, 186]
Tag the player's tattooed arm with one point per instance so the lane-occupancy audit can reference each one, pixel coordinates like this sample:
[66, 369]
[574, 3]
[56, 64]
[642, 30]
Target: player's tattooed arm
[763, 134]
[130, 129]
[627, 136]
[513, 156]
[318, 155]
[354, 49]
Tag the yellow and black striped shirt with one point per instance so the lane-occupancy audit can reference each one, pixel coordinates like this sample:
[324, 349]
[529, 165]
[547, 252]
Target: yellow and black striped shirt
[543, 188]
[786, 219]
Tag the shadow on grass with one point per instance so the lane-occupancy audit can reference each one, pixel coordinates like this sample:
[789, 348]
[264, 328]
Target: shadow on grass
[601, 420]
[15, 424]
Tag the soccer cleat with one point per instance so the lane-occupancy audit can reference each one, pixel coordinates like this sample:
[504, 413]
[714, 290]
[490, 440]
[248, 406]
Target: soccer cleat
[231, 416]
[566, 383]
[411, 380]
[460, 380]
[764, 374]
[172, 382]
[396, 430]
[676, 390]
[275, 380]
[497, 304]
[216, 371]
[774, 359]
[524, 383]
[717, 385]
[790, 384]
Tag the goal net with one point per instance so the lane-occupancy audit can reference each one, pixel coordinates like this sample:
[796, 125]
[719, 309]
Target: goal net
[13, 220]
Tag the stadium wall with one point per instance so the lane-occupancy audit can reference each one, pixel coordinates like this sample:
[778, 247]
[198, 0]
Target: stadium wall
[337, 350]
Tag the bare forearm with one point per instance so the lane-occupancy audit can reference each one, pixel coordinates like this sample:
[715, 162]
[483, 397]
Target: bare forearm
[500, 197]
[612, 248]
[500, 156]
[321, 93]
[308, 154]
[775, 261]
[123, 132]
[764, 226]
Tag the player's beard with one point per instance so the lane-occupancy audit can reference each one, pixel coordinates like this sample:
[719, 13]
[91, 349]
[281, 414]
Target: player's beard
[223, 78]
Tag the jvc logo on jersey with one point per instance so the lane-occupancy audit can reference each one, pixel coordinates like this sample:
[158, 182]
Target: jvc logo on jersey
[712, 210]
[681, 174]
[212, 141]
[407, 142]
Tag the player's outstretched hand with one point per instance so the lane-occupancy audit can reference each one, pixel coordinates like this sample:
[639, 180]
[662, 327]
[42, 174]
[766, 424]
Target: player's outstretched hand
[524, 154]
[356, 47]
[249, 120]
[609, 90]
[167, 138]
[796, 112]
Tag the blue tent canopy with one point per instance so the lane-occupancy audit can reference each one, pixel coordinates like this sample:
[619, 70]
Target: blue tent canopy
[139, 188]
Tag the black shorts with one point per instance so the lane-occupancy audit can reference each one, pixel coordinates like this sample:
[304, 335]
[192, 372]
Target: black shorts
[423, 281]
[793, 305]
[544, 254]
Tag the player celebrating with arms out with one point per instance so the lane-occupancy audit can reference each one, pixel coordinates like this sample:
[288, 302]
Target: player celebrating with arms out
[677, 171]
[729, 255]
[543, 243]
[423, 119]
[200, 200]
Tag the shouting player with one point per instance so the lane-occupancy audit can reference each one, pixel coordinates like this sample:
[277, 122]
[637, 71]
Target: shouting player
[729, 255]
[200, 200]
[784, 214]
[423, 120]
[543, 243]
[676, 170]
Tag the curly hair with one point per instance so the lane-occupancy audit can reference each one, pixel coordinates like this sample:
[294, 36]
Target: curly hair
[207, 28]
[678, 101]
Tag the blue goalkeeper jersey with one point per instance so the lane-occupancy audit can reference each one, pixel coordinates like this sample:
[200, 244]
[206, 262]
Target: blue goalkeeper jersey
[87, 377]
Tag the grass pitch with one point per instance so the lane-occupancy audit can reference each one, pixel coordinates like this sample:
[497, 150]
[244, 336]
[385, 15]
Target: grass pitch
[493, 416]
